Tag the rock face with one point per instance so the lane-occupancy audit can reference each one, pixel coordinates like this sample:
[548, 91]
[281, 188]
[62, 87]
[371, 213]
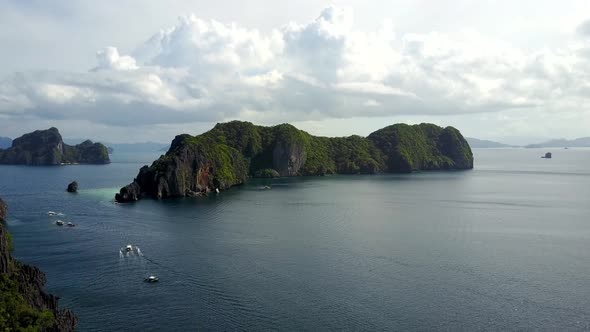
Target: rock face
[4, 245]
[46, 147]
[3, 210]
[73, 187]
[21, 289]
[193, 165]
[231, 152]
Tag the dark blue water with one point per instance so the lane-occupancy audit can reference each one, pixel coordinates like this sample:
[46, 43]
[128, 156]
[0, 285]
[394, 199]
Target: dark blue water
[505, 246]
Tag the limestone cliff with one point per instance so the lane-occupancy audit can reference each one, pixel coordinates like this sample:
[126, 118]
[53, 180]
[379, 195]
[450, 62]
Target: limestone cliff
[46, 147]
[192, 166]
[23, 303]
[231, 152]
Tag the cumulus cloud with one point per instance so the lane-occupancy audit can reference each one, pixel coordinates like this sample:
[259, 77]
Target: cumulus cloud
[317, 49]
[109, 59]
[205, 70]
[208, 46]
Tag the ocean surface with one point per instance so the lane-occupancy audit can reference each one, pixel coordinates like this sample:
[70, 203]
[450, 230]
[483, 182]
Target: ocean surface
[505, 246]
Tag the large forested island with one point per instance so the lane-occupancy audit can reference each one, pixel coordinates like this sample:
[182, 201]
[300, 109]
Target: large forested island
[230, 153]
[24, 306]
[46, 147]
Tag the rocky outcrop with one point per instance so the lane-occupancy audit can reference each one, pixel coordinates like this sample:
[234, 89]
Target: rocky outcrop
[46, 147]
[72, 187]
[231, 152]
[193, 166]
[129, 193]
[22, 285]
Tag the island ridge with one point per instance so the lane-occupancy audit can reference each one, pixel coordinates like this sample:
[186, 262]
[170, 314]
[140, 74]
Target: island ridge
[232, 152]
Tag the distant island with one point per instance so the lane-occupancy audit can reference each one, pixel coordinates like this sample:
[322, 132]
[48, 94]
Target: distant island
[24, 305]
[140, 147]
[5, 142]
[46, 147]
[582, 142]
[232, 152]
[482, 143]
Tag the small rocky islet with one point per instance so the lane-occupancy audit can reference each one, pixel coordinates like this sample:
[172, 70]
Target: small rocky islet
[72, 187]
[232, 152]
[46, 147]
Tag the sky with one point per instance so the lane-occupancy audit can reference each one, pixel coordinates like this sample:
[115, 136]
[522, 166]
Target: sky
[146, 70]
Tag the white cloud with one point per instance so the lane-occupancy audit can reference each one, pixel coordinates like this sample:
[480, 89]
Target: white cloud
[109, 59]
[318, 49]
[209, 46]
[369, 88]
[204, 70]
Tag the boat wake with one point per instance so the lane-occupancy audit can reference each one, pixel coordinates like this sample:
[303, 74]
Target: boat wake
[129, 250]
[55, 214]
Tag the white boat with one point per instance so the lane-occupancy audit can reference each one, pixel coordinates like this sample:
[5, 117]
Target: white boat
[127, 250]
[59, 223]
[152, 278]
[70, 224]
[130, 250]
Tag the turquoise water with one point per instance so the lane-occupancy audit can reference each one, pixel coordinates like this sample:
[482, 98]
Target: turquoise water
[504, 246]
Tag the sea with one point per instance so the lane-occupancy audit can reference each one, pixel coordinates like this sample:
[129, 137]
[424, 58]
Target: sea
[505, 246]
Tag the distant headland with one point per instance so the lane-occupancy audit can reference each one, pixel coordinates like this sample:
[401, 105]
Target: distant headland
[46, 147]
[231, 152]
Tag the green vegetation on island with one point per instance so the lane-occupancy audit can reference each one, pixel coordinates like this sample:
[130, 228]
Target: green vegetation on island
[16, 314]
[231, 152]
[46, 147]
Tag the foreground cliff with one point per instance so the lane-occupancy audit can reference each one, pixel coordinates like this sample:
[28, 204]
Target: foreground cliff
[231, 152]
[46, 147]
[24, 306]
